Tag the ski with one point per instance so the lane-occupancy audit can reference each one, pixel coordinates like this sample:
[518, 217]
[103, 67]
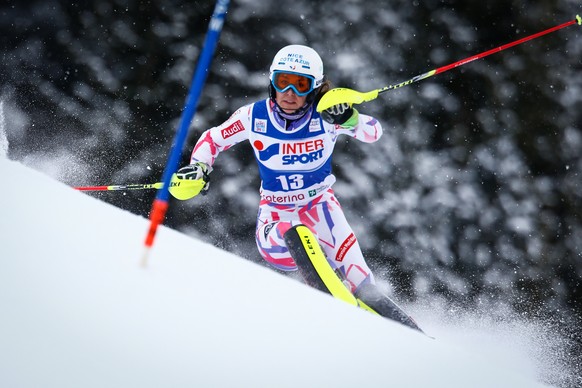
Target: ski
[313, 265]
[318, 273]
[370, 298]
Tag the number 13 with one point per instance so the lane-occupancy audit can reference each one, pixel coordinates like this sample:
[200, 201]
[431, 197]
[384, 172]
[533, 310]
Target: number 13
[292, 182]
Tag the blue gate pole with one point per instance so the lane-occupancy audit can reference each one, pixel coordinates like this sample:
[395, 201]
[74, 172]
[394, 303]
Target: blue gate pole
[160, 204]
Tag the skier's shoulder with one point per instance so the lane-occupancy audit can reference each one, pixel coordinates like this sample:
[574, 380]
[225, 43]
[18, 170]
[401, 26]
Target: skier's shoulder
[243, 111]
[240, 118]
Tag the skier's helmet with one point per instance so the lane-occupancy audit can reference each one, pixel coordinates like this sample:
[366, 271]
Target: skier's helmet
[296, 67]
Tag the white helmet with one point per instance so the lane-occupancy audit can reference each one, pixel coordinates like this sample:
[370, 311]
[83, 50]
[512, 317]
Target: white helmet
[299, 59]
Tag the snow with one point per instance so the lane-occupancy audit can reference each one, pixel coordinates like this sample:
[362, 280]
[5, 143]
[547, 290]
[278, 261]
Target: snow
[3, 138]
[78, 310]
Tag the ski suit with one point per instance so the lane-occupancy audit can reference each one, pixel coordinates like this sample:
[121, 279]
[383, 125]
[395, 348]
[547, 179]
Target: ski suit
[294, 159]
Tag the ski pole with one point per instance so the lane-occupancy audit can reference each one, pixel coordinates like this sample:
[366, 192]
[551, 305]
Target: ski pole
[134, 186]
[344, 95]
[181, 189]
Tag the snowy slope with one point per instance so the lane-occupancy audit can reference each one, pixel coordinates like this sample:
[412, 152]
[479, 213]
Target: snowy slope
[77, 310]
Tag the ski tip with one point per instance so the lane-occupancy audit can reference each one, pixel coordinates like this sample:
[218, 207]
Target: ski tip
[579, 20]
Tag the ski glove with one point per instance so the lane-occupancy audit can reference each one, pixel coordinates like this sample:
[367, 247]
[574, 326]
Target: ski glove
[195, 171]
[339, 114]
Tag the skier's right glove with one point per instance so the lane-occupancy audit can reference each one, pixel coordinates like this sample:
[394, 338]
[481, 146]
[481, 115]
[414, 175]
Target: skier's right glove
[196, 171]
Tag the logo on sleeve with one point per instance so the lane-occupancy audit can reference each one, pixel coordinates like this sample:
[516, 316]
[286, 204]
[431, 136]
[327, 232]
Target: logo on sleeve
[232, 129]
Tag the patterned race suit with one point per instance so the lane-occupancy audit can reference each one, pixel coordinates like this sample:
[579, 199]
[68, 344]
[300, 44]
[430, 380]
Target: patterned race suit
[294, 160]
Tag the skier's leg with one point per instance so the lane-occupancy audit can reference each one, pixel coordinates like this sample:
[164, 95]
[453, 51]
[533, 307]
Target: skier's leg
[324, 217]
[272, 247]
[313, 266]
[273, 221]
[337, 240]
[342, 249]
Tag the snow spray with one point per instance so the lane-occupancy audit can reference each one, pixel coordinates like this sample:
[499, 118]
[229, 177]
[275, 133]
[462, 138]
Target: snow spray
[3, 137]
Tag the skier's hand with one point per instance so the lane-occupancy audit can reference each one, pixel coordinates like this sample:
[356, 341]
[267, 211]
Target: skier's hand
[338, 114]
[196, 171]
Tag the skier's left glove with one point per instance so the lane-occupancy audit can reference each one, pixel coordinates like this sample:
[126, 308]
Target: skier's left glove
[196, 171]
[342, 114]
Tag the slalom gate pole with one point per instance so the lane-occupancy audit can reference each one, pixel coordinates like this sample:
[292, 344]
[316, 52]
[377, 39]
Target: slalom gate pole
[344, 95]
[160, 204]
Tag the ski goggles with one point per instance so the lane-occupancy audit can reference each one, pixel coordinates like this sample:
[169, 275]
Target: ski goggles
[299, 83]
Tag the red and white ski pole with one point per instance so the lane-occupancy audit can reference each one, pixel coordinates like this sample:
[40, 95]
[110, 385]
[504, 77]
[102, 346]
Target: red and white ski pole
[182, 189]
[344, 95]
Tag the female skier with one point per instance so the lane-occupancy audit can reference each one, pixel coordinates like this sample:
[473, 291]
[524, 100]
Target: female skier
[293, 145]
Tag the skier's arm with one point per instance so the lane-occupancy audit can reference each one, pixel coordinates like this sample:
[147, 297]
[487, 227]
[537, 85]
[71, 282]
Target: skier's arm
[211, 143]
[363, 127]
[348, 121]
[217, 139]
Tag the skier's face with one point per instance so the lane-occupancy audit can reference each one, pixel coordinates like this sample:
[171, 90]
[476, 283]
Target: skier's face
[289, 101]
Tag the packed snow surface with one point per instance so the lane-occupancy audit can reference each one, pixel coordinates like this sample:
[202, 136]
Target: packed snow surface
[79, 310]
